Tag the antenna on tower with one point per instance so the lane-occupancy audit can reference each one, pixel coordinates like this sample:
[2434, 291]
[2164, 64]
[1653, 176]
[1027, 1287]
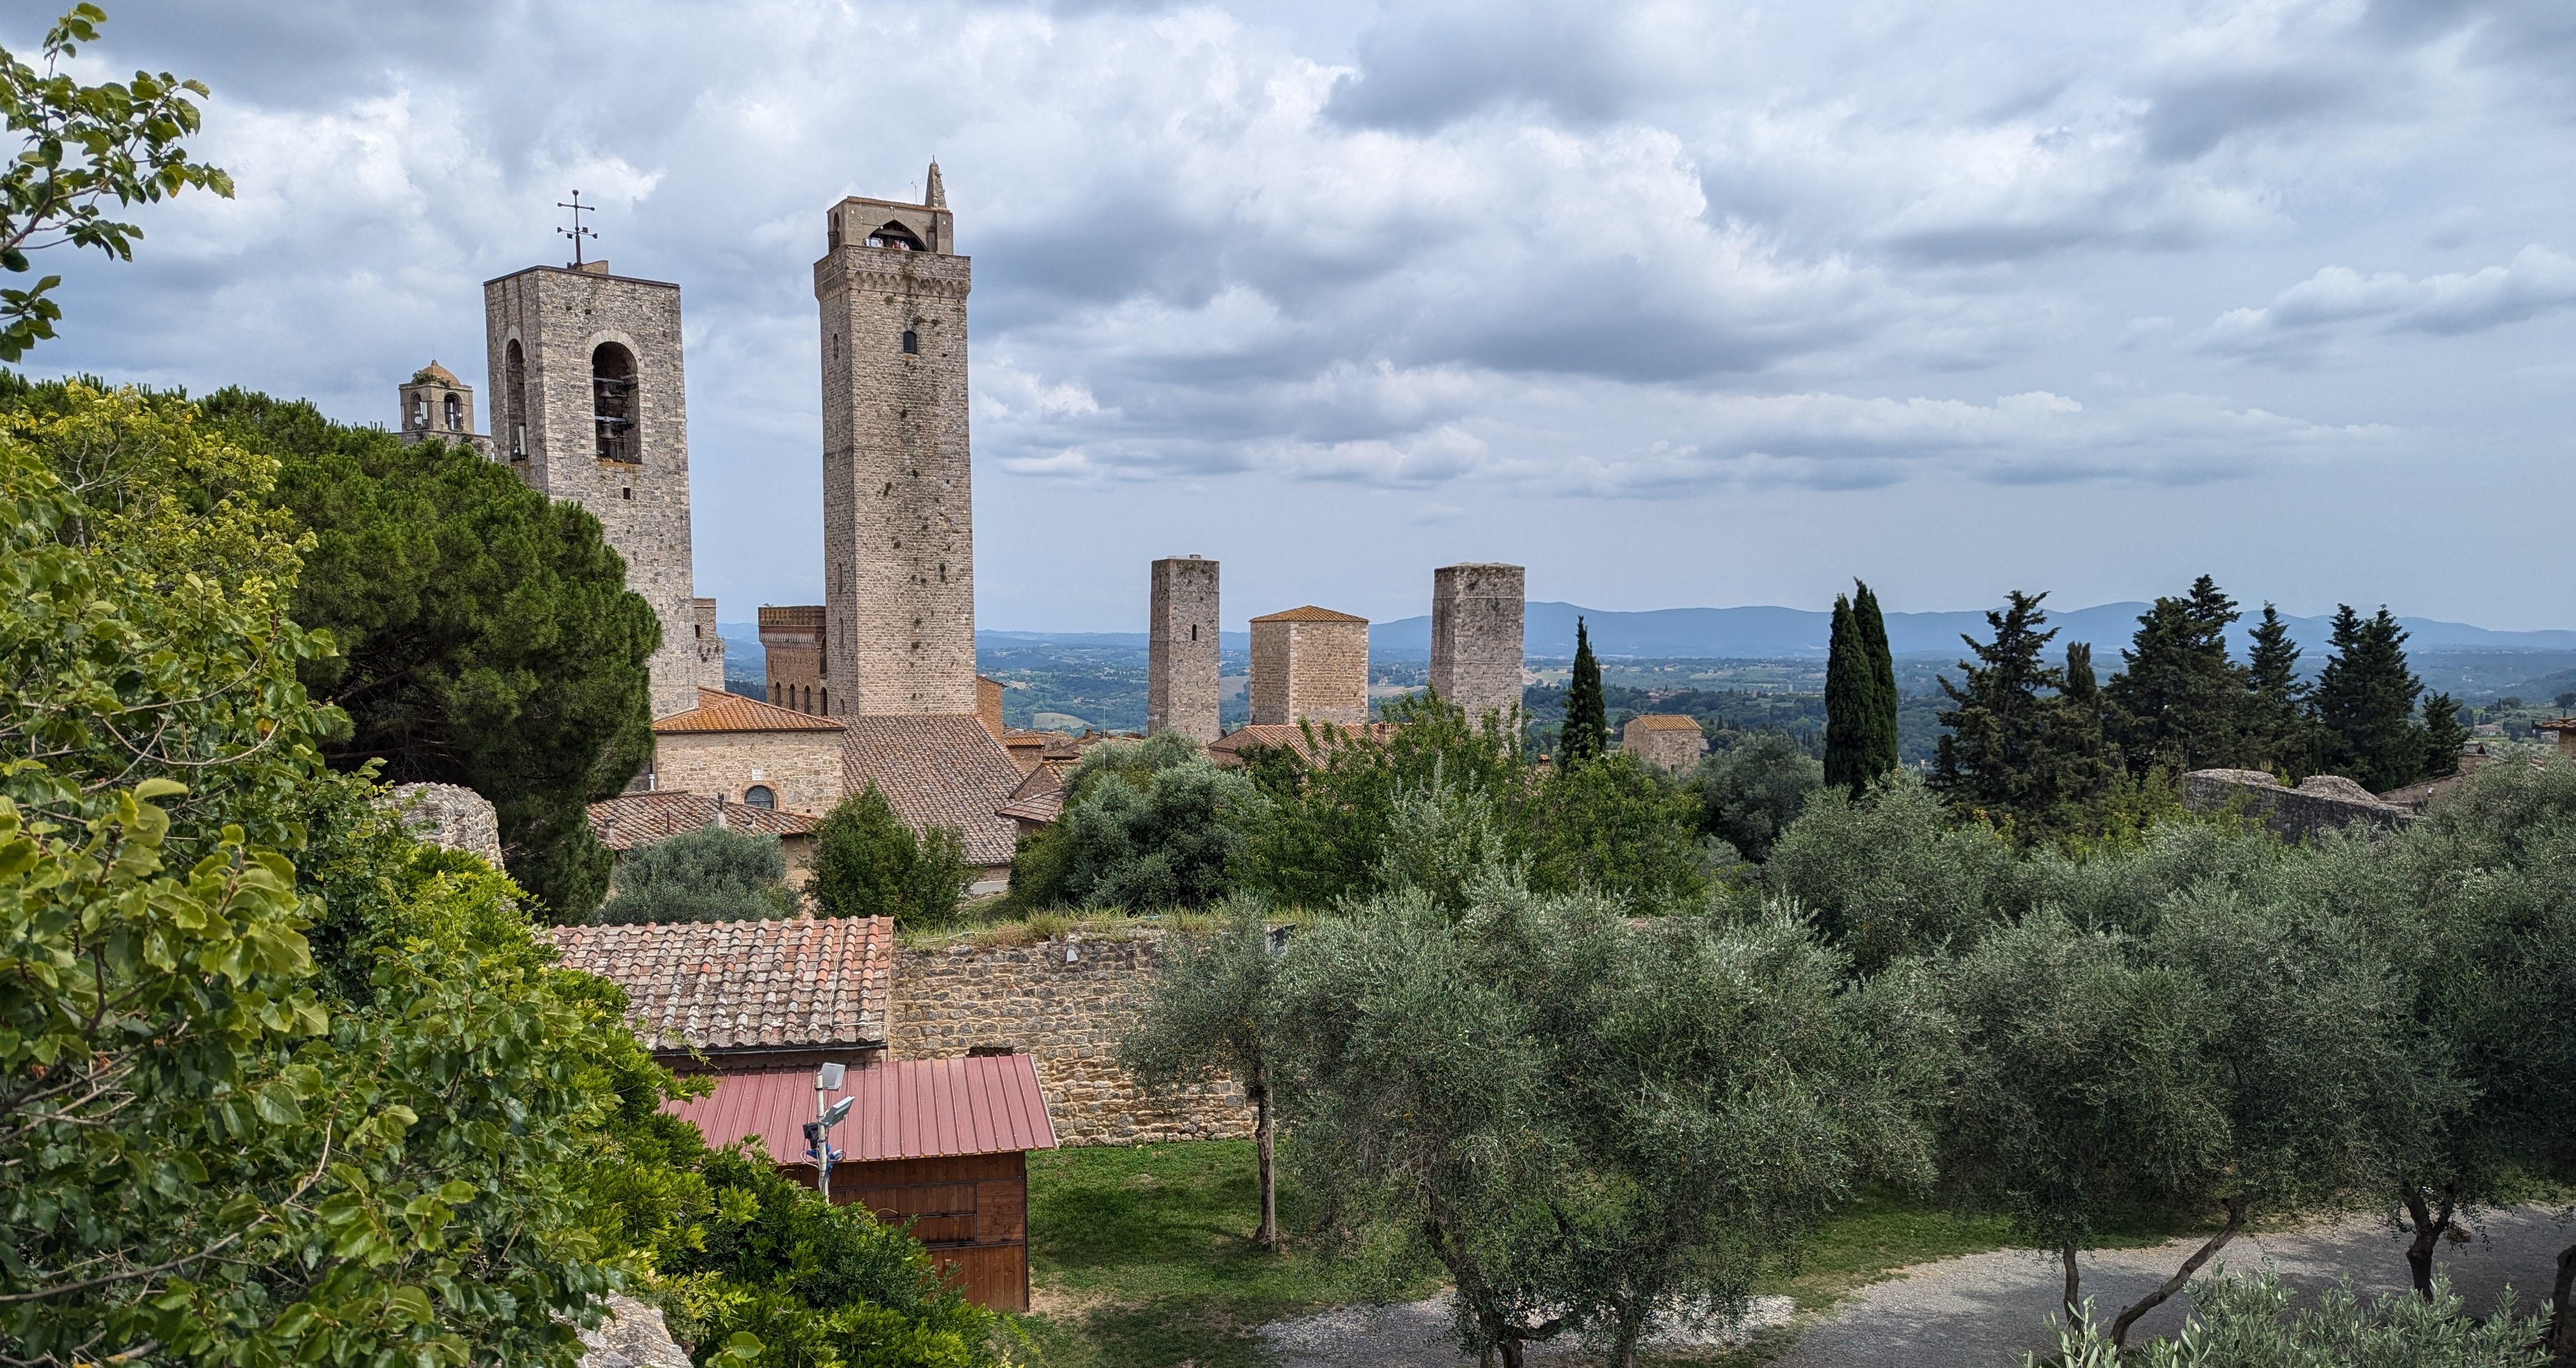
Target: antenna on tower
[576, 232]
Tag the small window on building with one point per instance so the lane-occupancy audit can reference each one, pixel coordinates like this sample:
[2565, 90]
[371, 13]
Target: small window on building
[759, 796]
[827, 700]
[420, 408]
[628, 493]
[1194, 631]
[455, 414]
[911, 343]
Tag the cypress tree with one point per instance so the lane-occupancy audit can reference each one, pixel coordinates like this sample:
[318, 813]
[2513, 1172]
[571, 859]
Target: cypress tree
[2444, 735]
[1997, 757]
[2181, 702]
[1881, 750]
[1850, 692]
[2365, 703]
[1587, 721]
[2277, 731]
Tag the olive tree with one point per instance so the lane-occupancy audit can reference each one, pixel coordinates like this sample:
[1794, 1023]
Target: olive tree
[711, 874]
[1211, 1012]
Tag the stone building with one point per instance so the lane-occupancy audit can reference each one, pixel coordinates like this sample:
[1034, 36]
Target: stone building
[898, 506]
[745, 751]
[1309, 664]
[709, 641]
[592, 406]
[437, 404]
[1664, 740]
[1476, 616]
[1181, 654]
[792, 640]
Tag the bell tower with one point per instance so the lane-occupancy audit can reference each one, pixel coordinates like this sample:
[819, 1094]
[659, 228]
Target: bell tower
[590, 405]
[898, 496]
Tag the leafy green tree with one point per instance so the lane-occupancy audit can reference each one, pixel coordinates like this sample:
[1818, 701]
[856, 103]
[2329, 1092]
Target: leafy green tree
[1890, 875]
[1151, 823]
[486, 635]
[1750, 794]
[2365, 703]
[1998, 757]
[868, 863]
[2180, 703]
[1587, 722]
[1621, 828]
[1211, 1014]
[2279, 733]
[82, 146]
[1851, 696]
[711, 874]
[2243, 1323]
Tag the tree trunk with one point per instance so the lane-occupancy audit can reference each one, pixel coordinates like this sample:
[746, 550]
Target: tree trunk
[2429, 1229]
[1268, 1235]
[2074, 1284]
[2181, 1277]
[2562, 1326]
[1511, 1353]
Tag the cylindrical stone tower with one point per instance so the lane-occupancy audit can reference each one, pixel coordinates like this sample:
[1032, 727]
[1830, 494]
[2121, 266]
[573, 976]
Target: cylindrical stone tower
[1476, 615]
[1181, 661]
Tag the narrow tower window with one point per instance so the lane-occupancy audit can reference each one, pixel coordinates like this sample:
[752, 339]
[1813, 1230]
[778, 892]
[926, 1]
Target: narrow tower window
[612, 385]
[455, 414]
[911, 342]
[420, 405]
[514, 393]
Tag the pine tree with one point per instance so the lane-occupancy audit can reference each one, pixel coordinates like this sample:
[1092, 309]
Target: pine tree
[1881, 749]
[2444, 736]
[2079, 747]
[1997, 757]
[2278, 731]
[1849, 693]
[1587, 721]
[2365, 703]
[2181, 702]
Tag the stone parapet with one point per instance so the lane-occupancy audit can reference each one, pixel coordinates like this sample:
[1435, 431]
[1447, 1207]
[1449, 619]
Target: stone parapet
[2322, 802]
[446, 815]
[1065, 1003]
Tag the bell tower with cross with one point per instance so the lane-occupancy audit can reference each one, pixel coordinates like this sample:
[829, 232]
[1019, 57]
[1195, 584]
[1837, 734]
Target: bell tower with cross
[589, 403]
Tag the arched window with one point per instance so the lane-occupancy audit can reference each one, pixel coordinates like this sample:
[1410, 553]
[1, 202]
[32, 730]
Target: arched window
[895, 235]
[827, 700]
[759, 796]
[514, 394]
[420, 410]
[773, 691]
[808, 704]
[911, 343]
[455, 414]
[612, 387]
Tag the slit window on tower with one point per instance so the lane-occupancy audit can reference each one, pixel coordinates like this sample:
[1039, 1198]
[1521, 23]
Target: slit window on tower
[612, 388]
[911, 343]
[514, 395]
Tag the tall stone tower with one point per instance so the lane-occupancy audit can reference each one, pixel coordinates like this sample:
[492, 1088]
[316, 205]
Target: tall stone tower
[1180, 658]
[591, 406]
[898, 483]
[1476, 616]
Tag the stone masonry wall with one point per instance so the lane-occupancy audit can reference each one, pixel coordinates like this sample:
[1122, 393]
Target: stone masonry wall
[446, 815]
[802, 768]
[1068, 1016]
[1181, 657]
[1328, 672]
[1476, 619]
[2322, 802]
[1664, 747]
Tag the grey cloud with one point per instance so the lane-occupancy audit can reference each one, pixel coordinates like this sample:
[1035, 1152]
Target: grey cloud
[2304, 319]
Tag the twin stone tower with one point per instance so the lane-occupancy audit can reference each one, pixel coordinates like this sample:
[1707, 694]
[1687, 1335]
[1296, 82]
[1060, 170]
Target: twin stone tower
[592, 408]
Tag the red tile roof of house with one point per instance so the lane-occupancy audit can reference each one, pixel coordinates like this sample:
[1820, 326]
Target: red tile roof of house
[719, 711]
[1310, 613]
[1039, 798]
[941, 769]
[815, 981]
[1228, 749]
[639, 819]
[915, 1109]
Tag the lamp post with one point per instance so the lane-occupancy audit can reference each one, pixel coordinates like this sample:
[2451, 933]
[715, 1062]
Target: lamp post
[818, 1132]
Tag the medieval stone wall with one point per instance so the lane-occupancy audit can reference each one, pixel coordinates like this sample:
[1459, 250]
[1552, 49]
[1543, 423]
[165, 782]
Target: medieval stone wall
[1181, 655]
[801, 768]
[1476, 620]
[791, 641]
[446, 815]
[1067, 1014]
[2321, 802]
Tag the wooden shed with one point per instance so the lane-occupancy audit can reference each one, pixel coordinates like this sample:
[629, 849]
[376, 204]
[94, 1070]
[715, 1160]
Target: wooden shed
[942, 1143]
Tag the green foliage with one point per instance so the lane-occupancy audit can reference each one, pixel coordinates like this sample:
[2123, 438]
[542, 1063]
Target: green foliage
[1881, 747]
[867, 863]
[2444, 736]
[2365, 703]
[1997, 759]
[1621, 828]
[1151, 823]
[2279, 734]
[82, 146]
[2180, 703]
[1587, 725]
[711, 874]
[1860, 695]
[1890, 875]
[1749, 795]
[1210, 1015]
[486, 635]
[2243, 1323]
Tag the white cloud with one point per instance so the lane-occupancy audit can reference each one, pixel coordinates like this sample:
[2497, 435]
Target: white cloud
[2306, 317]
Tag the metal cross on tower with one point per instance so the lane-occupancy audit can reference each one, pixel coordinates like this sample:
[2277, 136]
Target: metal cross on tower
[576, 232]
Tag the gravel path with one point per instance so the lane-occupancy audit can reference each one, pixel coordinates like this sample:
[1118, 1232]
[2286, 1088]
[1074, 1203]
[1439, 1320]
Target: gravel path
[1985, 1310]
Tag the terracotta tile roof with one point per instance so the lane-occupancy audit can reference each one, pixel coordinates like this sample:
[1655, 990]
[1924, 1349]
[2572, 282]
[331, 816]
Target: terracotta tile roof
[914, 1109]
[813, 981]
[942, 769]
[718, 711]
[1039, 798]
[1228, 749]
[434, 371]
[1310, 613]
[639, 819]
[1664, 722]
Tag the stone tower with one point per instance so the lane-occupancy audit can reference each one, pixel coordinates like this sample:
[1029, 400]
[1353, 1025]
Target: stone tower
[591, 407]
[1476, 613]
[1180, 665]
[437, 404]
[1309, 664]
[898, 496]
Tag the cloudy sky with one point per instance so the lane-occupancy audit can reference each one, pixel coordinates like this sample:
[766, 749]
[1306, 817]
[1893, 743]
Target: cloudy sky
[1674, 303]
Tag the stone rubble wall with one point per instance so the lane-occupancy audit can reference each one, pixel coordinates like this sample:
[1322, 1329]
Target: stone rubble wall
[2323, 802]
[1476, 621]
[446, 815]
[1068, 1016]
[632, 1336]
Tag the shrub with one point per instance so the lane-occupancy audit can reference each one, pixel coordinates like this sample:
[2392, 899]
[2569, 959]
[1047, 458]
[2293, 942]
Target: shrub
[1750, 794]
[1151, 823]
[711, 874]
[2242, 1326]
[867, 863]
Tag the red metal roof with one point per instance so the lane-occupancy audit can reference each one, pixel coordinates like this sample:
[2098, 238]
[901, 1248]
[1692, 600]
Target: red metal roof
[914, 1109]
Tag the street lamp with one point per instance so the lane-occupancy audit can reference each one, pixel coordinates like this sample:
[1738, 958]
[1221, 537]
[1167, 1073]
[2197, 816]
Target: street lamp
[818, 1132]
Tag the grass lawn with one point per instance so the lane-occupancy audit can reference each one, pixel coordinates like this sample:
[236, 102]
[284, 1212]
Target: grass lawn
[1143, 1258]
